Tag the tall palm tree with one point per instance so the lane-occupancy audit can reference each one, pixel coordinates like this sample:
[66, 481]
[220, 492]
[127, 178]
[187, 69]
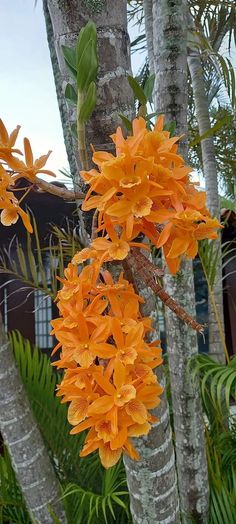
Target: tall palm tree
[153, 481]
[212, 22]
[170, 63]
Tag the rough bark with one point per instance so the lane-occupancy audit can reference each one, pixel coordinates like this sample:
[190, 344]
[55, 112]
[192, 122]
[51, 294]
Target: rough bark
[27, 450]
[114, 94]
[216, 345]
[152, 481]
[170, 60]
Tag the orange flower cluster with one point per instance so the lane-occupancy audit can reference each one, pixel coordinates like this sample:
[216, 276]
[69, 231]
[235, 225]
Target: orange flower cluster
[11, 169]
[108, 380]
[145, 184]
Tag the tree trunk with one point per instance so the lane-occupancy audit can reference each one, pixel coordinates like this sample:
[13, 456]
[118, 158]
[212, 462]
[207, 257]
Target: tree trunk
[71, 149]
[114, 94]
[152, 481]
[148, 19]
[27, 450]
[170, 60]
[216, 344]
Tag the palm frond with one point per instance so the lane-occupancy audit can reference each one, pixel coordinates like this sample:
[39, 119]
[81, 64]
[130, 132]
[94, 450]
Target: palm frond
[12, 506]
[40, 382]
[88, 486]
[38, 267]
[108, 507]
[217, 384]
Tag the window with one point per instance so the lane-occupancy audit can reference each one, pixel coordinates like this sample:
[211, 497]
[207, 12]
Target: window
[43, 316]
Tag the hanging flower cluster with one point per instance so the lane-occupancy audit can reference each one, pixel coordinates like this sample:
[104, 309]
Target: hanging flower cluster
[109, 380]
[11, 169]
[145, 190]
[145, 184]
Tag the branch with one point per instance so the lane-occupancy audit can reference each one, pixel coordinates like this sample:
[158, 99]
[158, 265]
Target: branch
[62, 192]
[147, 272]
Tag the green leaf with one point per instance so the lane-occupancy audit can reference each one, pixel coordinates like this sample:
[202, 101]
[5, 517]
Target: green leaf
[126, 122]
[70, 94]
[137, 90]
[148, 87]
[87, 66]
[211, 131]
[140, 38]
[171, 127]
[89, 103]
[70, 58]
[74, 130]
[88, 32]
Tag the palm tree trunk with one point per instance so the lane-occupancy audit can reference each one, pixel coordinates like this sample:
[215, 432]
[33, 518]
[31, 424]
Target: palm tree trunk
[114, 94]
[216, 344]
[71, 150]
[170, 61]
[27, 450]
[148, 19]
[153, 481]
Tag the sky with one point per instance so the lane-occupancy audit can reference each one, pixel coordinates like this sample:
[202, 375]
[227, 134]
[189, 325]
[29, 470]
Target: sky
[27, 91]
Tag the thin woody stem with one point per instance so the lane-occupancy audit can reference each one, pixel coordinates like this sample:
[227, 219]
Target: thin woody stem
[142, 266]
[62, 192]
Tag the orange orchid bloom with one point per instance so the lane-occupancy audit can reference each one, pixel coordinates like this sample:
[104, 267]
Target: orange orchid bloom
[17, 169]
[7, 141]
[145, 189]
[10, 215]
[30, 168]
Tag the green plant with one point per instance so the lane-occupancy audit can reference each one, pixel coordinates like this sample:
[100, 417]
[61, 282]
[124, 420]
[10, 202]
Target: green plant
[218, 390]
[12, 506]
[91, 494]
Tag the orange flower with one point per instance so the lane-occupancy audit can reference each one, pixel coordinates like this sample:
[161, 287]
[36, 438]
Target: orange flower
[30, 168]
[7, 141]
[109, 379]
[10, 215]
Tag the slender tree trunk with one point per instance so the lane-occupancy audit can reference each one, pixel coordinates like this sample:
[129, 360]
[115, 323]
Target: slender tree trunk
[216, 344]
[148, 20]
[64, 109]
[114, 94]
[170, 60]
[153, 481]
[27, 450]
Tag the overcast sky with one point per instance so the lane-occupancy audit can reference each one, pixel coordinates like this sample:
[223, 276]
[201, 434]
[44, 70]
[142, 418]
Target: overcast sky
[27, 92]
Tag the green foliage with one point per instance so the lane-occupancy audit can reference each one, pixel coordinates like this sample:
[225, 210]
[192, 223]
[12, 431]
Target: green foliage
[137, 90]
[12, 506]
[218, 390]
[210, 257]
[83, 64]
[30, 263]
[218, 385]
[142, 87]
[88, 104]
[224, 143]
[70, 94]
[91, 494]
